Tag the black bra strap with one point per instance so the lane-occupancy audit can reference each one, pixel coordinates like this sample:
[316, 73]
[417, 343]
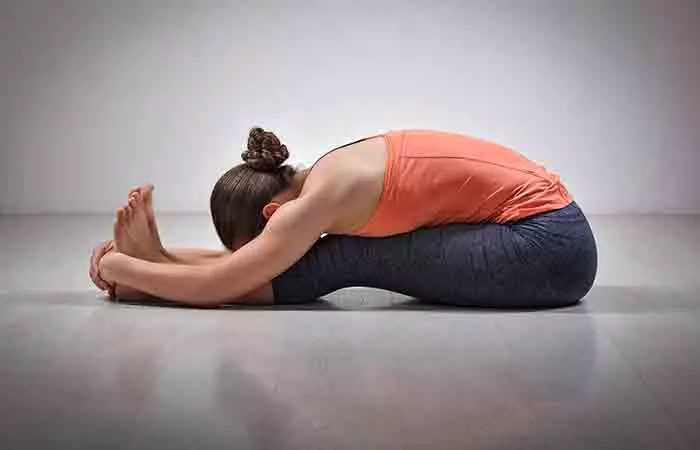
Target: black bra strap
[345, 145]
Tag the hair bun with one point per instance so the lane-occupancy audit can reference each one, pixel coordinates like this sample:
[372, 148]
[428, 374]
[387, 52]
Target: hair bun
[265, 152]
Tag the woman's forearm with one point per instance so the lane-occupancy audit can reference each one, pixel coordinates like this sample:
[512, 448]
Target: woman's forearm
[258, 296]
[193, 256]
[187, 256]
[182, 283]
[124, 292]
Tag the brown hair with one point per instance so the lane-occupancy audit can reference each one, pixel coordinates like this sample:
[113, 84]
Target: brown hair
[240, 194]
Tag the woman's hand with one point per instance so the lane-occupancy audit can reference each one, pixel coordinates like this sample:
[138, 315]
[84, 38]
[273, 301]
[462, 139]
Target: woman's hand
[110, 262]
[97, 253]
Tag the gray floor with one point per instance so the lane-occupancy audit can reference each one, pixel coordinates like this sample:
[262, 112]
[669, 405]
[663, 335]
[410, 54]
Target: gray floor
[366, 369]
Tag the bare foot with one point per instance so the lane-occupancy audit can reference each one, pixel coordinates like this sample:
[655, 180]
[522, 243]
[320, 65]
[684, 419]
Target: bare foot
[122, 241]
[132, 234]
[139, 228]
[146, 191]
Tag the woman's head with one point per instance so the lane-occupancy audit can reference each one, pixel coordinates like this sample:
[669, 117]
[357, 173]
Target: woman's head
[240, 195]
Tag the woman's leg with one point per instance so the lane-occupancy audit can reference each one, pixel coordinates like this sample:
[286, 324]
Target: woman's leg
[546, 260]
[145, 235]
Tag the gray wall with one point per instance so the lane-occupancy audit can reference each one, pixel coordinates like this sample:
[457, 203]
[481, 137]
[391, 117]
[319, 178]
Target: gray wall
[100, 96]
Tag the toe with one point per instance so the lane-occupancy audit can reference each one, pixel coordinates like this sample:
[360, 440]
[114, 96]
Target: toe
[126, 219]
[146, 193]
[118, 221]
[137, 202]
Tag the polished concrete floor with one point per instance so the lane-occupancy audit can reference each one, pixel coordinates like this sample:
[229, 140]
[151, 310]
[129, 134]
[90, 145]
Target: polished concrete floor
[362, 369]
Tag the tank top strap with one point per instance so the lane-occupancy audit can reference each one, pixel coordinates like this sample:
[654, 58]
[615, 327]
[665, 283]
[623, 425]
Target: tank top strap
[345, 145]
[355, 142]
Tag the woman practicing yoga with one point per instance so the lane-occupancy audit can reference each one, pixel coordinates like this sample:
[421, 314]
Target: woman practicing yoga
[438, 216]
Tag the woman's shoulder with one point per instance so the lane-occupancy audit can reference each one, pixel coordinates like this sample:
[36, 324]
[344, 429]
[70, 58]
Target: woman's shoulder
[340, 174]
[327, 180]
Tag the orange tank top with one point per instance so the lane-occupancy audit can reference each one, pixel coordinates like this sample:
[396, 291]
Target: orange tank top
[434, 177]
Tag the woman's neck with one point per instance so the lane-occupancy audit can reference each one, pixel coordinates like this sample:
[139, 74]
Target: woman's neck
[300, 178]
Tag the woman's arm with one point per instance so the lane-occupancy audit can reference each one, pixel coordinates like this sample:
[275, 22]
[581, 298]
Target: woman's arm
[289, 234]
[194, 256]
[259, 296]
[123, 292]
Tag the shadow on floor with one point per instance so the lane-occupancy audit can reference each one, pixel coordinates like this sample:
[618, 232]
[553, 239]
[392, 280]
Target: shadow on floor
[636, 300]
[600, 300]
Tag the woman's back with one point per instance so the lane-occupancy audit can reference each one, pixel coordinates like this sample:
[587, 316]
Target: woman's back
[405, 179]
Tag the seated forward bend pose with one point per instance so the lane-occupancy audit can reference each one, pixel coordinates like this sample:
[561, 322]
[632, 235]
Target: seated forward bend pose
[436, 215]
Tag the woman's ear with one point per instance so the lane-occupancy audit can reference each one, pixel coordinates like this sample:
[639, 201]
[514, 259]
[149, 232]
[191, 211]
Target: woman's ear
[269, 209]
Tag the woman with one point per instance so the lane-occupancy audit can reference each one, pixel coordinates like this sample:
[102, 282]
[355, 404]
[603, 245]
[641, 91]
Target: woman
[439, 216]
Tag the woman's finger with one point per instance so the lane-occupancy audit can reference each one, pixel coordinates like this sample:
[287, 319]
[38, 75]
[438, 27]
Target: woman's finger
[97, 254]
[109, 245]
[99, 282]
[93, 269]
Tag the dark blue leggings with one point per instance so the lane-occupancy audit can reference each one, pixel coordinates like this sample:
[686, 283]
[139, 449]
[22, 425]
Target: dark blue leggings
[545, 260]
